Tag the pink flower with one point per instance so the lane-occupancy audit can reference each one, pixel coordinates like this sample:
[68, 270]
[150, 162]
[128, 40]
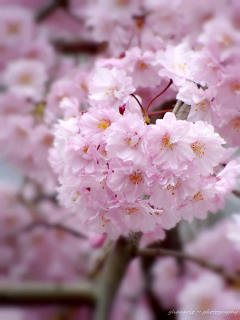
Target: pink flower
[176, 62]
[98, 120]
[203, 105]
[167, 283]
[207, 147]
[27, 78]
[125, 139]
[131, 180]
[169, 142]
[110, 87]
[16, 25]
[141, 67]
[205, 198]
[199, 294]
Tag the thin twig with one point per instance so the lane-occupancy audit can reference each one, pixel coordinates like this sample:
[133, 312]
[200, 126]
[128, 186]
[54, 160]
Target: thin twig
[38, 294]
[147, 120]
[158, 112]
[169, 84]
[138, 102]
[184, 256]
[47, 225]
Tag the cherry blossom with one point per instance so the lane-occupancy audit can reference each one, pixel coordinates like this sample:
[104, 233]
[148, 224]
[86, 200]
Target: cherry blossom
[110, 87]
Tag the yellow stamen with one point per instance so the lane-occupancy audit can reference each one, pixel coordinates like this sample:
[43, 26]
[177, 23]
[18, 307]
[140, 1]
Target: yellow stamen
[104, 124]
[136, 178]
[198, 148]
[131, 210]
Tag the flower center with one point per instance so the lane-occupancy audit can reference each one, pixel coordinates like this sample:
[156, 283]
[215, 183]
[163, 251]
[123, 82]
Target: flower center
[142, 65]
[103, 124]
[198, 148]
[136, 178]
[128, 142]
[174, 188]
[13, 28]
[131, 210]
[110, 90]
[180, 66]
[165, 141]
[226, 41]
[235, 124]
[25, 79]
[203, 106]
[105, 221]
[235, 88]
[198, 196]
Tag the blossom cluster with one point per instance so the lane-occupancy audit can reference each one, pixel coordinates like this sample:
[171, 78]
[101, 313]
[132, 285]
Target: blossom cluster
[28, 64]
[120, 174]
[121, 165]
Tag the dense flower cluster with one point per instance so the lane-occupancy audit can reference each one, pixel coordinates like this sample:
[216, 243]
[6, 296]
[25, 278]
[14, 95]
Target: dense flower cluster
[109, 73]
[120, 174]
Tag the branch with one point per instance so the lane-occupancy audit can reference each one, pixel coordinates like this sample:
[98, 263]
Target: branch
[100, 259]
[177, 106]
[77, 46]
[113, 271]
[233, 277]
[236, 193]
[46, 294]
[46, 225]
[50, 8]
[181, 110]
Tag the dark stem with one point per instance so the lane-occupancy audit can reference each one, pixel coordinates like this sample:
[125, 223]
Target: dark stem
[169, 84]
[143, 111]
[79, 46]
[158, 112]
[46, 225]
[184, 256]
[39, 294]
[50, 8]
[236, 193]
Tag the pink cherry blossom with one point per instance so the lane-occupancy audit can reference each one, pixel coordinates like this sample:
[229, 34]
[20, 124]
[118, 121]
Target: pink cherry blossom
[140, 66]
[110, 87]
[26, 78]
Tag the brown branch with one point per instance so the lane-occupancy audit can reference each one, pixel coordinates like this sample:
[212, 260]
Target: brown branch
[233, 277]
[113, 272]
[46, 225]
[50, 8]
[79, 46]
[236, 193]
[100, 259]
[39, 294]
